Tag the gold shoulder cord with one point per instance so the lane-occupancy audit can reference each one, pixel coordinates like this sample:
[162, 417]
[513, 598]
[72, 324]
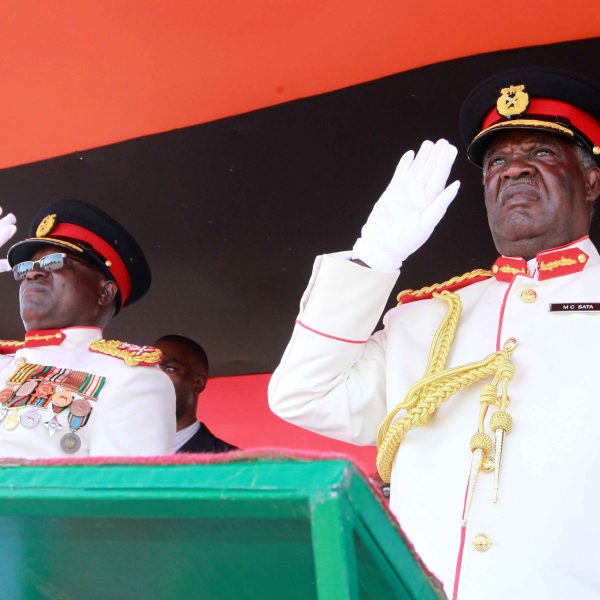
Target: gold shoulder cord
[438, 384]
[10, 343]
[436, 287]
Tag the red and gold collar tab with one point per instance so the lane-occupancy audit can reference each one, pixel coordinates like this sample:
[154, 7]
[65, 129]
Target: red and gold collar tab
[45, 337]
[506, 268]
[550, 263]
[555, 263]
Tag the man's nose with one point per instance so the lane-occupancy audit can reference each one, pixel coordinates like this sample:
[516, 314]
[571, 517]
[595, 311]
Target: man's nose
[36, 273]
[516, 167]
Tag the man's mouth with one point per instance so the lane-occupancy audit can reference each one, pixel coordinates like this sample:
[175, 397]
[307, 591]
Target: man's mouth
[518, 194]
[33, 288]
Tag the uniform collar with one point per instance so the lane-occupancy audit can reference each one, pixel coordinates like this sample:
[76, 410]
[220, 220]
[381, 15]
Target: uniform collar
[67, 337]
[554, 262]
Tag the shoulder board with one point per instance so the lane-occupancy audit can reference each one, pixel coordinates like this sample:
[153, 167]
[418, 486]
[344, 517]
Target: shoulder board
[453, 284]
[130, 354]
[10, 346]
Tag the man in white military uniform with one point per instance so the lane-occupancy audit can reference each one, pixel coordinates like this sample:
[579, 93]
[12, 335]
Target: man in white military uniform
[485, 385]
[64, 390]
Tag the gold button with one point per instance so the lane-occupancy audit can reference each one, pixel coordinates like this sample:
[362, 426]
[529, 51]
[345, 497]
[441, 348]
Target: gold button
[495, 269]
[482, 542]
[528, 295]
[582, 258]
[20, 361]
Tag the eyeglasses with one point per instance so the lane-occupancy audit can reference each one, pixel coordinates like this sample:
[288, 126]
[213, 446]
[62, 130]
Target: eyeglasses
[50, 262]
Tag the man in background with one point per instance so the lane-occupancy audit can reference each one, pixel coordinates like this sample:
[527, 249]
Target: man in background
[186, 363]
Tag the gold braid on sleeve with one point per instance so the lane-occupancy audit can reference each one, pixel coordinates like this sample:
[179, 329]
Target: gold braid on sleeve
[438, 385]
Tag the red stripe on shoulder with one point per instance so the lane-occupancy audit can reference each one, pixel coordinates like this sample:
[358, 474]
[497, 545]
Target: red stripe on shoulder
[10, 346]
[453, 284]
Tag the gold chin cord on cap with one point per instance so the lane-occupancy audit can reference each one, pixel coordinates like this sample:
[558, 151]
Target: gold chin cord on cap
[438, 385]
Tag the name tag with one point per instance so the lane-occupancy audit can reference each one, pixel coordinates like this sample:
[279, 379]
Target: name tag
[575, 307]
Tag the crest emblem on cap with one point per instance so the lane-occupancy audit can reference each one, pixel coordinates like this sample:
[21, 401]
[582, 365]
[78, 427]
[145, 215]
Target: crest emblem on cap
[46, 226]
[513, 100]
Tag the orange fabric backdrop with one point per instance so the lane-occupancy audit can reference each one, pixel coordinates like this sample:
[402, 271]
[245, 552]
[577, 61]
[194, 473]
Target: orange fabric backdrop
[77, 75]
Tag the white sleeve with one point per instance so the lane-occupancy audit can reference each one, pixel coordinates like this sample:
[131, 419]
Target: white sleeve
[331, 379]
[136, 416]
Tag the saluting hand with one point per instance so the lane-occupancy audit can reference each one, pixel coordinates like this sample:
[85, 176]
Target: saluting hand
[8, 228]
[410, 208]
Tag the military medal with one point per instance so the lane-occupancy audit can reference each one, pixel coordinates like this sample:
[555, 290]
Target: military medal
[30, 419]
[70, 443]
[80, 408]
[27, 388]
[12, 419]
[6, 395]
[44, 390]
[62, 398]
[53, 426]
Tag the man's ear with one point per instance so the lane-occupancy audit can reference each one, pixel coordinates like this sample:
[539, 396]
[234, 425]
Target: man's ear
[592, 184]
[108, 293]
[199, 384]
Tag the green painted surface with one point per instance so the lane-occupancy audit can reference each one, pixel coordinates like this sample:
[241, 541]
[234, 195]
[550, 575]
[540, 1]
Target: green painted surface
[277, 528]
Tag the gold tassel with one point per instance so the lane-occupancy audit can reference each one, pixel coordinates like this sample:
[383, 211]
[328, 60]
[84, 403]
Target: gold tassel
[501, 424]
[481, 444]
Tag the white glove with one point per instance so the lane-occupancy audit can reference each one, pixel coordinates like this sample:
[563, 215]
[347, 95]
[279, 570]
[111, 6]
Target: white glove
[7, 230]
[408, 211]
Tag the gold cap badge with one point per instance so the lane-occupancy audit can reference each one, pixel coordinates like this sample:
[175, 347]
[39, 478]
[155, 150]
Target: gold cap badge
[513, 100]
[46, 226]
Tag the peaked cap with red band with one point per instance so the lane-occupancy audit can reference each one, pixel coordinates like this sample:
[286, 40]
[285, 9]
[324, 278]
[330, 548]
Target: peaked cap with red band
[532, 98]
[85, 230]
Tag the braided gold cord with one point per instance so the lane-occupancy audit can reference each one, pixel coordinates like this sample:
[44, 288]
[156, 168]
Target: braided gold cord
[444, 336]
[10, 343]
[437, 286]
[425, 396]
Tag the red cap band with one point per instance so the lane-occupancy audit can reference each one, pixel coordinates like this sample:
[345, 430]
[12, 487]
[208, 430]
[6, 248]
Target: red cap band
[552, 109]
[117, 266]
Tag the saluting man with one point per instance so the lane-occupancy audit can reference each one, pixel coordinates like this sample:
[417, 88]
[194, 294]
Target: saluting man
[481, 392]
[65, 390]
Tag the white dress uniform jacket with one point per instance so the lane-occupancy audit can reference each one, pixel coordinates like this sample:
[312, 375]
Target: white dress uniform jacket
[337, 379]
[134, 414]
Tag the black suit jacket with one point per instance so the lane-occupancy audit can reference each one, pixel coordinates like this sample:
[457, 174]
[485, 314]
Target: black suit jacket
[205, 441]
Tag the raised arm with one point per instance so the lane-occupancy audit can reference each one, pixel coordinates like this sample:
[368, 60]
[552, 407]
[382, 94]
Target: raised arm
[414, 202]
[332, 377]
[8, 228]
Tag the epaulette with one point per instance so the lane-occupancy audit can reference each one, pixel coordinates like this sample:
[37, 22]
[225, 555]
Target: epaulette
[10, 346]
[130, 354]
[453, 284]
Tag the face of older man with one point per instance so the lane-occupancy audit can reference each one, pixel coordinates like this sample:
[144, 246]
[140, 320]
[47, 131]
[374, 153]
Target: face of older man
[74, 295]
[537, 194]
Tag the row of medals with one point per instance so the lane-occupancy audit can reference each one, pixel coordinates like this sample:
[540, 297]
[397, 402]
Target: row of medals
[45, 400]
